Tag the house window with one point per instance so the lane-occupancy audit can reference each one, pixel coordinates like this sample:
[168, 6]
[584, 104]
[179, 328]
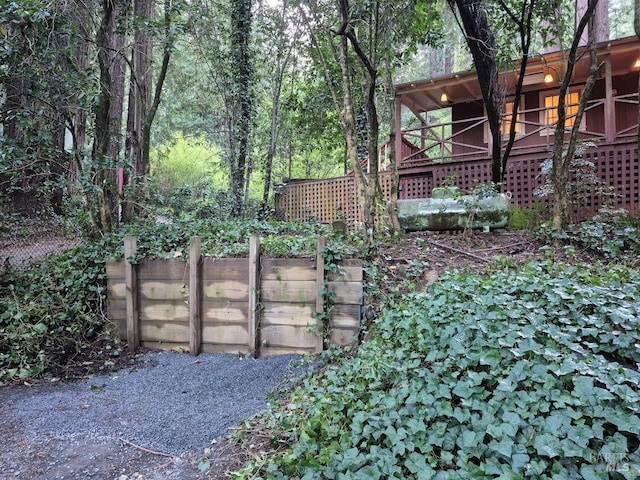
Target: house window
[508, 119]
[550, 113]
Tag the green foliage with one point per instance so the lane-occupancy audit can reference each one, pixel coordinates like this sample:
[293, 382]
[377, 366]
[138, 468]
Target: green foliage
[224, 238]
[616, 236]
[51, 311]
[527, 218]
[187, 161]
[527, 374]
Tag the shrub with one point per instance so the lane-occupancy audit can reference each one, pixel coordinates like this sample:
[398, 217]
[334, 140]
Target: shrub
[527, 374]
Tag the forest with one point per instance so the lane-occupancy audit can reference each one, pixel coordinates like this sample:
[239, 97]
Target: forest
[166, 124]
[110, 107]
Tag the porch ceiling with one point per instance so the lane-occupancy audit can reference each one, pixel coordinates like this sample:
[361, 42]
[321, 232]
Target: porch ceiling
[462, 87]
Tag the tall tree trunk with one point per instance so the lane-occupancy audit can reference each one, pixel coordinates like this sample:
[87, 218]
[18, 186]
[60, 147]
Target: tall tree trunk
[349, 122]
[281, 66]
[562, 159]
[349, 118]
[482, 44]
[140, 85]
[102, 123]
[144, 100]
[139, 100]
[117, 72]
[242, 73]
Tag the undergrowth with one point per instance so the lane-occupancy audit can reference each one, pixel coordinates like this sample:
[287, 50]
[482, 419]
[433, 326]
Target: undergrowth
[52, 312]
[530, 373]
[616, 236]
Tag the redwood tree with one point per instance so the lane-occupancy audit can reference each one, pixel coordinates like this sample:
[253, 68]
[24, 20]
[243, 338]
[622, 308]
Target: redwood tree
[242, 77]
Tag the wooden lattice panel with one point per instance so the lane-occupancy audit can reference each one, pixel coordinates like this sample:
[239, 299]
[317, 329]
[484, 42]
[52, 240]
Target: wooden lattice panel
[521, 179]
[416, 187]
[617, 165]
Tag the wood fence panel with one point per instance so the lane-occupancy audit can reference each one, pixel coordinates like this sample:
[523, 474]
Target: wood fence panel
[288, 292]
[225, 305]
[163, 300]
[116, 296]
[345, 324]
[225, 311]
[288, 336]
[284, 299]
[349, 293]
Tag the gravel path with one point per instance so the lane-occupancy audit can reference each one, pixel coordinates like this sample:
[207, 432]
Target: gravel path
[171, 403]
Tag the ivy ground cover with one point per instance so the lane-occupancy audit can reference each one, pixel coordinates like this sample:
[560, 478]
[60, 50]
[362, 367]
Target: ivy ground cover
[524, 374]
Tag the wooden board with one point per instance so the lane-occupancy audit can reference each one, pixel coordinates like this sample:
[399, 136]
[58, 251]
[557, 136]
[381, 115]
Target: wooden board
[347, 292]
[164, 332]
[164, 270]
[288, 291]
[167, 346]
[227, 289]
[167, 290]
[275, 351]
[225, 269]
[121, 327]
[343, 336]
[349, 271]
[115, 269]
[225, 334]
[116, 289]
[287, 336]
[287, 269]
[346, 316]
[116, 309]
[155, 311]
[299, 314]
[224, 312]
[216, 348]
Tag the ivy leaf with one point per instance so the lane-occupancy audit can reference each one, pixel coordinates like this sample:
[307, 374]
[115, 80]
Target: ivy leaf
[547, 445]
[519, 461]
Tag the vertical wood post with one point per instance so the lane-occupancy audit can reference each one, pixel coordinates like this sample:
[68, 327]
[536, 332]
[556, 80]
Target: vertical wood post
[609, 103]
[319, 300]
[195, 296]
[254, 292]
[131, 300]
[398, 129]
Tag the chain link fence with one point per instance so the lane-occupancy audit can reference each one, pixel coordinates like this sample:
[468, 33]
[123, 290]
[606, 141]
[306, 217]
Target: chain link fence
[24, 241]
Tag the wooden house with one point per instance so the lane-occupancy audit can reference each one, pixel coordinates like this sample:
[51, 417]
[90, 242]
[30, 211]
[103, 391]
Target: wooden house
[445, 139]
[449, 127]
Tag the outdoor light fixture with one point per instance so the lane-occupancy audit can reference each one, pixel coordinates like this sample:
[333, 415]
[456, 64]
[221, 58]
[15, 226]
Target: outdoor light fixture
[444, 98]
[636, 64]
[548, 78]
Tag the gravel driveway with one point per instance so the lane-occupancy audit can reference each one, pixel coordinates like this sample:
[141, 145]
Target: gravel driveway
[151, 421]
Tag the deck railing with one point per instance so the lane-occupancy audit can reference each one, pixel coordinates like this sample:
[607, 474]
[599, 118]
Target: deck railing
[445, 142]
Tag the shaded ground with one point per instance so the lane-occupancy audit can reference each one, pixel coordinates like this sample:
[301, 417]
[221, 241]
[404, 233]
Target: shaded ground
[420, 257]
[152, 421]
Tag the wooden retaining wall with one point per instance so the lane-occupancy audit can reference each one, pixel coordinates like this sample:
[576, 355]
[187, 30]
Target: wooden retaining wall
[258, 305]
